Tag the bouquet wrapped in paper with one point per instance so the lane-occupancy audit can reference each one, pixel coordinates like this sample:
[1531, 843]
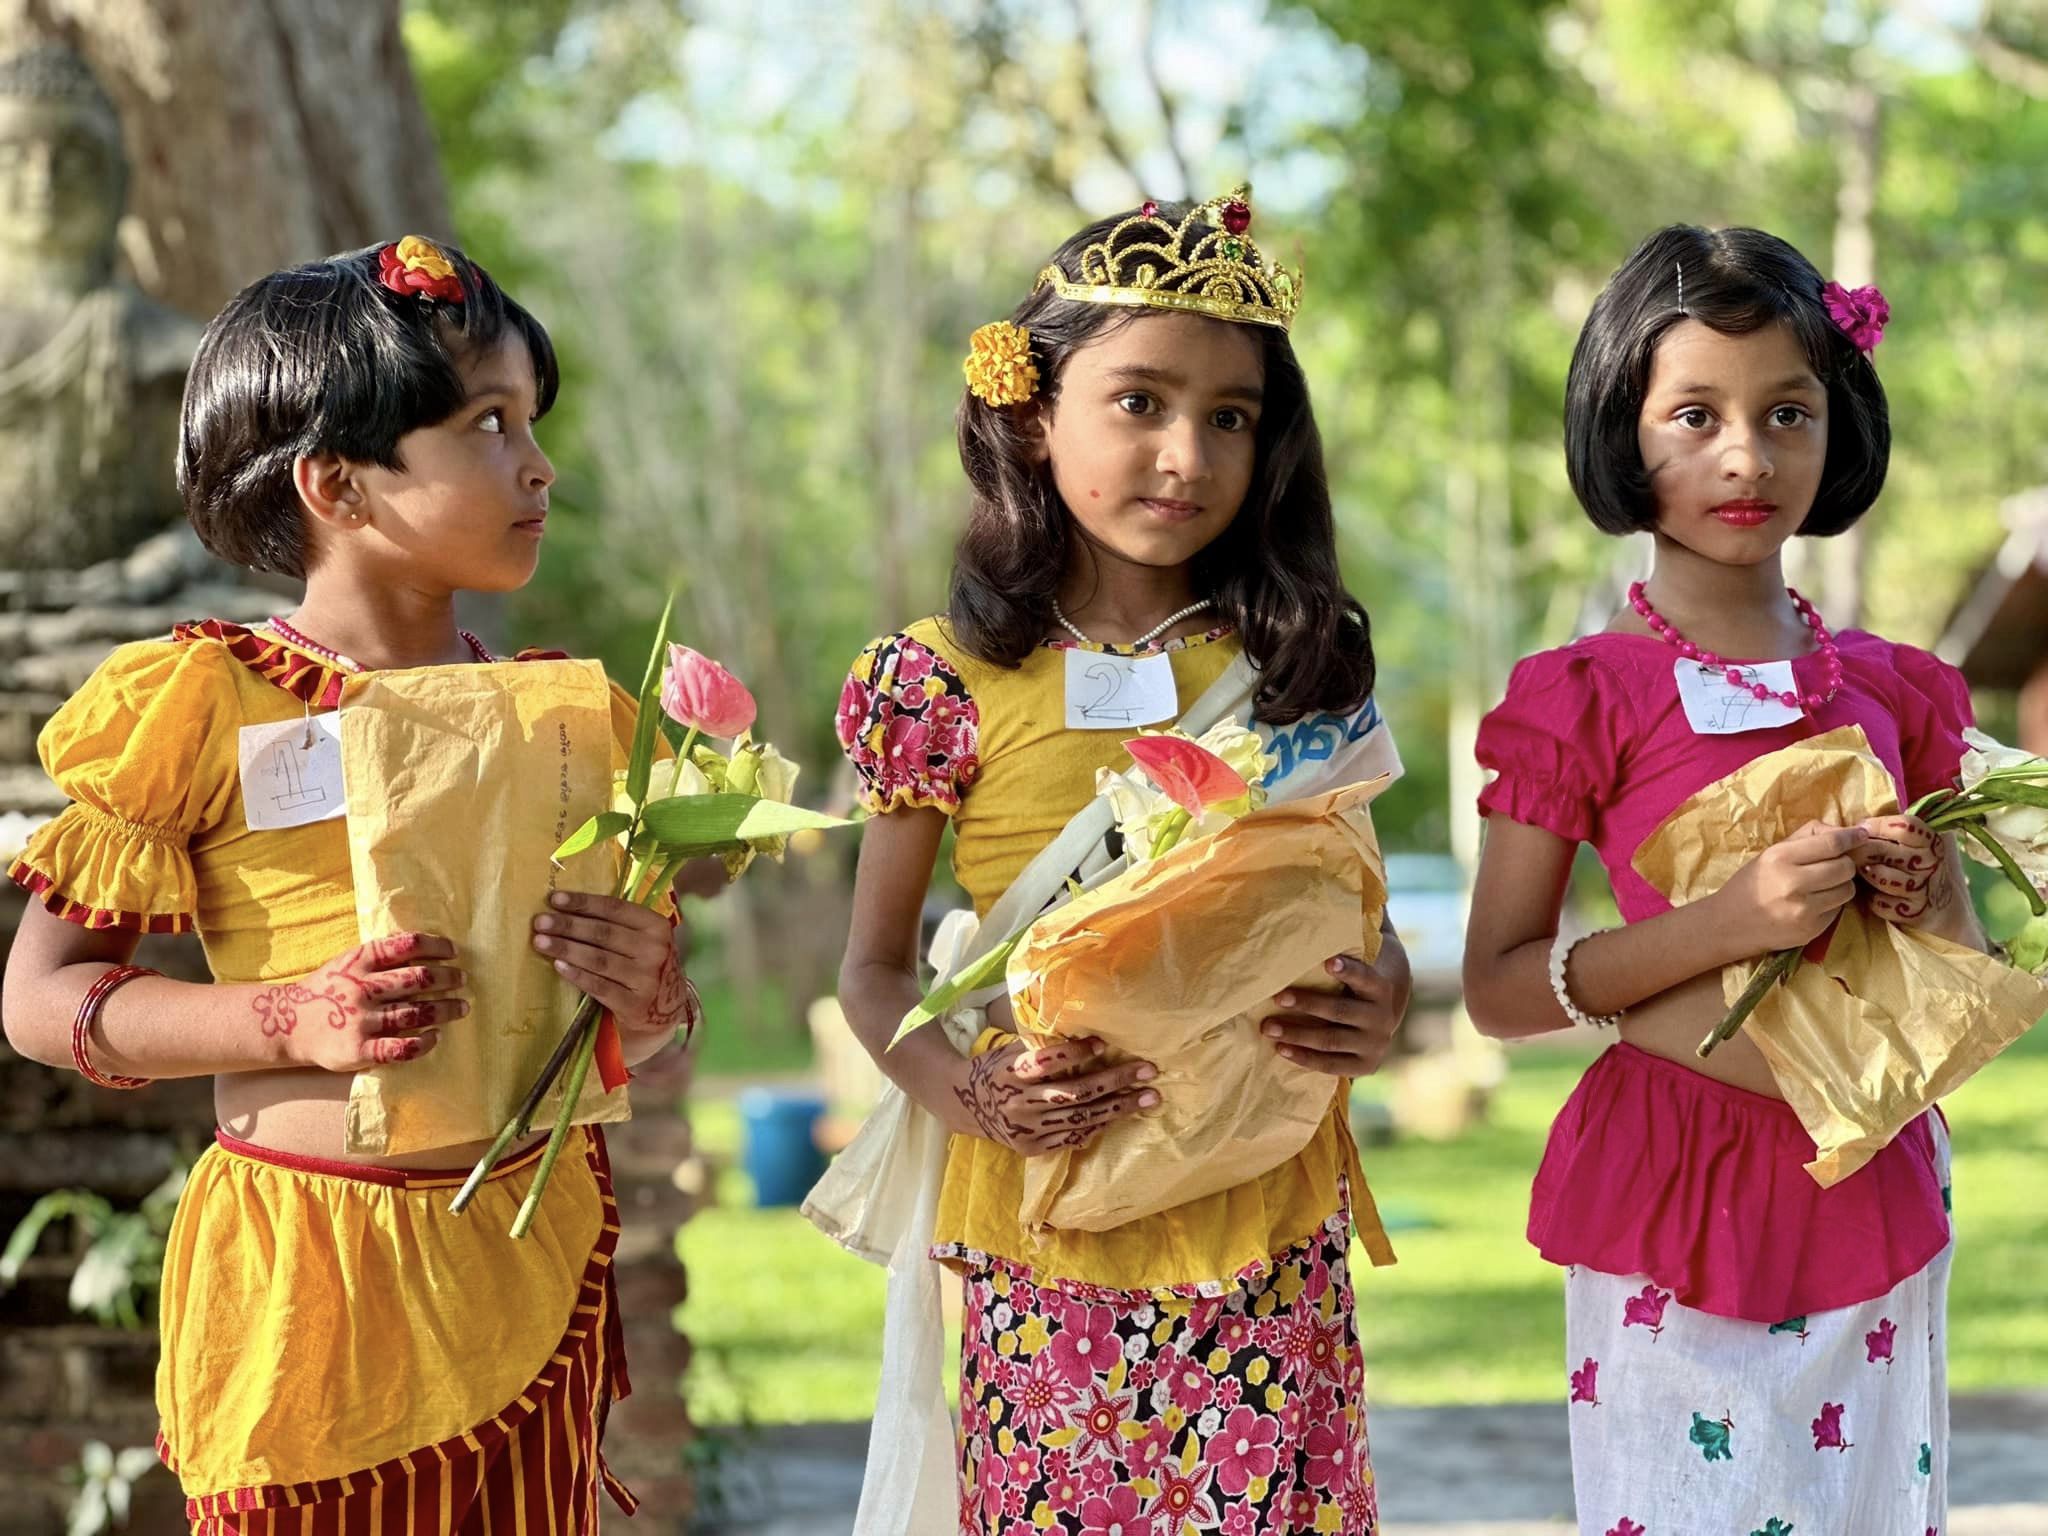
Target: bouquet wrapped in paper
[1177, 961]
[1175, 956]
[1879, 1020]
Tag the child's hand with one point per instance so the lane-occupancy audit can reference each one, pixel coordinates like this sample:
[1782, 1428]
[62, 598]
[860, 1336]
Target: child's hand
[1787, 895]
[1036, 1101]
[1345, 1033]
[1904, 864]
[622, 954]
[379, 1003]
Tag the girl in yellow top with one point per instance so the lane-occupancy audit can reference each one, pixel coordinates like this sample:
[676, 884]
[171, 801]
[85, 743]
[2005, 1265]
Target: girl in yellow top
[1148, 483]
[339, 1353]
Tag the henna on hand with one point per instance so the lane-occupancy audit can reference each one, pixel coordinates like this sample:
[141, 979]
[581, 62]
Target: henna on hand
[277, 1008]
[987, 1097]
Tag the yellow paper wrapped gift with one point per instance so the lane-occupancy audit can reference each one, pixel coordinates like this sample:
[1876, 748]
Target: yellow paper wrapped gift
[1891, 1018]
[461, 782]
[1177, 960]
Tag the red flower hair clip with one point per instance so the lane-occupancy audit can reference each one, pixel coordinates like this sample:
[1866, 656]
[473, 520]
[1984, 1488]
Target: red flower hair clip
[414, 266]
[1861, 313]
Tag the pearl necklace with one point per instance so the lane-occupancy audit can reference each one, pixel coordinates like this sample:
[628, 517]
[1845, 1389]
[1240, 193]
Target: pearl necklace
[291, 636]
[1145, 639]
[1828, 652]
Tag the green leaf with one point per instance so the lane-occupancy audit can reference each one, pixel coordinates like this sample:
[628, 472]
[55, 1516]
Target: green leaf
[697, 823]
[640, 766]
[605, 824]
[982, 973]
[2019, 792]
[773, 818]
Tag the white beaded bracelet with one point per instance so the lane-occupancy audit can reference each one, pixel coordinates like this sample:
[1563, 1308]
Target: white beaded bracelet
[1560, 952]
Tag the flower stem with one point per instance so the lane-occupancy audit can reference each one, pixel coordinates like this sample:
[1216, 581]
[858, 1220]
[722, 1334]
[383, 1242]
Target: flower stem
[2006, 862]
[1772, 970]
[572, 1090]
[521, 1119]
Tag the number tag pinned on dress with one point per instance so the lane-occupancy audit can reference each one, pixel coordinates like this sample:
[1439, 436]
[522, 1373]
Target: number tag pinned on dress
[1108, 692]
[1716, 707]
[291, 772]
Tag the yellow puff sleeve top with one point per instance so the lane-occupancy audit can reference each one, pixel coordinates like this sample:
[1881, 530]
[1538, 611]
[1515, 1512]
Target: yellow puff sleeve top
[926, 724]
[155, 839]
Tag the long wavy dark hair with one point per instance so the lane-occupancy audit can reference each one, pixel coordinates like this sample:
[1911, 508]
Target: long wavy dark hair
[1272, 573]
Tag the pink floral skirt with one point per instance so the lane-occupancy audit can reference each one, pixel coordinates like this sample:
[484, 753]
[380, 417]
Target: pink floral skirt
[1242, 1414]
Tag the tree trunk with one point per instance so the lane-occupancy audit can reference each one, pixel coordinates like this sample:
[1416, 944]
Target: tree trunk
[259, 132]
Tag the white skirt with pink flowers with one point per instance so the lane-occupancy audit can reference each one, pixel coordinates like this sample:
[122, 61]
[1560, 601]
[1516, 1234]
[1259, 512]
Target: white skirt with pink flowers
[1685, 1423]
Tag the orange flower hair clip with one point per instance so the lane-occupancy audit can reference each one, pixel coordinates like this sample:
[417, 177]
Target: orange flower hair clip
[417, 267]
[998, 365]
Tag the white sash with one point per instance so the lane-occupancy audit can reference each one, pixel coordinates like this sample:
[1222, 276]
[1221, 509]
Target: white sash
[879, 1199]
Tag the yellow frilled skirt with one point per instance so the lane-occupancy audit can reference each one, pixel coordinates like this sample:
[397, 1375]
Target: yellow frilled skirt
[342, 1354]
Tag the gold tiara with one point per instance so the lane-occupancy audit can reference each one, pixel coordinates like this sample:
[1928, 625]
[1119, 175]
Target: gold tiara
[1206, 265]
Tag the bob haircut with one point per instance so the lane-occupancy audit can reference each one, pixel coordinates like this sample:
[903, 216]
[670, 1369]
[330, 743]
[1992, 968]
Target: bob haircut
[1272, 573]
[1735, 281]
[319, 359]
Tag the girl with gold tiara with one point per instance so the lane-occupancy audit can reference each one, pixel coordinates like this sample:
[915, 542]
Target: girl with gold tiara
[1748, 1350]
[340, 1352]
[1149, 510]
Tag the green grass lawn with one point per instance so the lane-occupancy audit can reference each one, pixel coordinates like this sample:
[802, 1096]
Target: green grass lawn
[788, 1328]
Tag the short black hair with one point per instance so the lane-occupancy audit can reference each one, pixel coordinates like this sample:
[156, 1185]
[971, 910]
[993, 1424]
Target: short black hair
[323, 358]
[1735, 281]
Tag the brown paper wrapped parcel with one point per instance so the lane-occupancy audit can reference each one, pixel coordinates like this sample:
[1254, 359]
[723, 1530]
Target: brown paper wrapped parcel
[1891, 1018]
[1177, 961]
[461, 782]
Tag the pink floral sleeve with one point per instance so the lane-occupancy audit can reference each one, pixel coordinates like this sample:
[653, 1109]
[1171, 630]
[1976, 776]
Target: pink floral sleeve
[909, 727]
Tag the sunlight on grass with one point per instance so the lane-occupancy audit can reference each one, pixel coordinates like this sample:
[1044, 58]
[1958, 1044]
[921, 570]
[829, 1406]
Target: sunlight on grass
[788, 1328]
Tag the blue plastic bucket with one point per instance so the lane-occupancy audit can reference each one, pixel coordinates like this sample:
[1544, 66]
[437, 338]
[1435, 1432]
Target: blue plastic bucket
[780, 1155]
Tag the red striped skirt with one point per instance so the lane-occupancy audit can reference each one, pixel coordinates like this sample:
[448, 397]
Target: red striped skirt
[271, 1388]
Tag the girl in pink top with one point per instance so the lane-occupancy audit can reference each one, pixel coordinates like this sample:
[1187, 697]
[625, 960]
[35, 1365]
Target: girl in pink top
[1747, 1351]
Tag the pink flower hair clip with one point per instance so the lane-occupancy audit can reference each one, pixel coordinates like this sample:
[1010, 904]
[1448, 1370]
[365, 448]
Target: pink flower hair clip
[1860, 312]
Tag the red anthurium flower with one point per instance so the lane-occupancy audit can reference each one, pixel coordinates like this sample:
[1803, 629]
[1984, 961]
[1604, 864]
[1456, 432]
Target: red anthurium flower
[700, 694]
[1194, 778]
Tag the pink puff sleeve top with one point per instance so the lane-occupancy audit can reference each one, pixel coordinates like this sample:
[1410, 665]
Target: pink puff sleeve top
[1652, 1168]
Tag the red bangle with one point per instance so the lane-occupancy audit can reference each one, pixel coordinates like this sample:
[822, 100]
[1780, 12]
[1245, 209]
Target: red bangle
[95, 999]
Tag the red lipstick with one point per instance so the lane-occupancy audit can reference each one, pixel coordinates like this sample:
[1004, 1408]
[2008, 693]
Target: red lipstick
[1746, 512]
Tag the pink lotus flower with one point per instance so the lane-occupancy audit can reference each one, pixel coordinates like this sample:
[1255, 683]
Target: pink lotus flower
[1860, 312]
[1193, 777]
[1646, 1310]
[1627, 1527]
[1878, 1342]
[1586, 1383]
[1827, 1429]
[700, 694]
[1245, 1446]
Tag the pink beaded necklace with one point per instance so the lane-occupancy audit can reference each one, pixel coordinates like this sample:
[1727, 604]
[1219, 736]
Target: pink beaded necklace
[1791, 700]
[291, 636]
